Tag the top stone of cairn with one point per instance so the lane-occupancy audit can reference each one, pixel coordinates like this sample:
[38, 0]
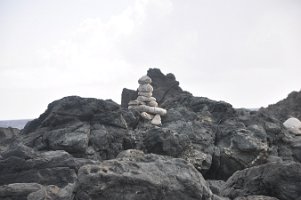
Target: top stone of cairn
[145, 80]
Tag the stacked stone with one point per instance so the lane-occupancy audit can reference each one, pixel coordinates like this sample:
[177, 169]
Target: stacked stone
[145, 103]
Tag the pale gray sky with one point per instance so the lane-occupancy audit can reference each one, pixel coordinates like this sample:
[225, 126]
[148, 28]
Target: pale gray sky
[245, 52]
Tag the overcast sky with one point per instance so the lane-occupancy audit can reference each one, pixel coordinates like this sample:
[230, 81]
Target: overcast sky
[245, 52]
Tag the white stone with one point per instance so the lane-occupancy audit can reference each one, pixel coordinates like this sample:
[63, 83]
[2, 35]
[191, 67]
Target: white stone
[294, 125]
[146, 99]
[145, 103]
[152, 104]
[136, 102]
[145, 94]
[146, 116]
[156, 120]
[145, 88]
[145, 80]
[148, 109]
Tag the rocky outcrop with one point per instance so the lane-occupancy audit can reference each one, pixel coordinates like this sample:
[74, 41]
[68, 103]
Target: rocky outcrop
[86, 148]
[286, 108]
[89, 128]
[164, 87]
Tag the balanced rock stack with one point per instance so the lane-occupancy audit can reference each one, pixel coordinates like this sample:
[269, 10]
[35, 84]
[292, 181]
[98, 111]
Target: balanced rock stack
[145, 103]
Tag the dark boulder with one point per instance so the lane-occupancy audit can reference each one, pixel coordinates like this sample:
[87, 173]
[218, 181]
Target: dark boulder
[164, 141]
[21, 164]
[84, 127]
[280, 180]
[71, 109]
[135, 175]
[165, 86]
[126, 96]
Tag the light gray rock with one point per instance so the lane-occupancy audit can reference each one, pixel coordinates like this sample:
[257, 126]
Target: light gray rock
[294, 125]
[156, 120]
[146, 99]
[145, 88]
[145, 94]
[136, 103]
[146, 116]
[52, 192]
[152, 104]
[148, 109]
[145, 80]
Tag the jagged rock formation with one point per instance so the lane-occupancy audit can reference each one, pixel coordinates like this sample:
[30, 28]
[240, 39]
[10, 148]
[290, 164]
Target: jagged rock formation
[288, 107]
[86, 148]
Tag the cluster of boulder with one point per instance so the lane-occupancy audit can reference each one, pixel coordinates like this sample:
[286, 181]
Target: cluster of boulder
[145, 103]
[86, 148]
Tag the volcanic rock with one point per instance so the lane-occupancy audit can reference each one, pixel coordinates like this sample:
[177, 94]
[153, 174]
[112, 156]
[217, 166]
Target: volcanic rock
[8, 136]
[280, 180]
[142, 176]
[86, 148]
[88, 128]
[286, 108]
[256, 197]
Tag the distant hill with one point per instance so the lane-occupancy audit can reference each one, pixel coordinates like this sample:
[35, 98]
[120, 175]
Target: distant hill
[19, 124]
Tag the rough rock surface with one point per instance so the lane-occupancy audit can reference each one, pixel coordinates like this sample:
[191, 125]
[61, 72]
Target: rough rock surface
[88, 128]
[8, 136]
[280, 180]
[215, 186]
[198, 138]
[126, 96]
[136, 176]
[286, 108]
[21, 164]
[256, 197]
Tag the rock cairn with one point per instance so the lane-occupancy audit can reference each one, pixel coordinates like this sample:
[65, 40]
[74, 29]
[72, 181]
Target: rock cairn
[145, 103]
